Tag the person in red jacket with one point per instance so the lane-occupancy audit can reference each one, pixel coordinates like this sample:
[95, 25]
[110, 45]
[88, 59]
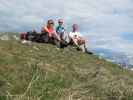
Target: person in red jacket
[49, 31]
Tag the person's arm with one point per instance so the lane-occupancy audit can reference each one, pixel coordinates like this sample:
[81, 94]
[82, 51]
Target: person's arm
[71, 35]
[44, 30]
[82, 39]
[56, 35]
[75, 41]
[57, 29]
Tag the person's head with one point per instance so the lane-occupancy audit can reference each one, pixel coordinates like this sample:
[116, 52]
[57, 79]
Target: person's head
[75, 27]
[50, 23]
[61, 22]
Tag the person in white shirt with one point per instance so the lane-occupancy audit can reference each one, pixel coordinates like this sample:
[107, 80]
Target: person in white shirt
[77, 38]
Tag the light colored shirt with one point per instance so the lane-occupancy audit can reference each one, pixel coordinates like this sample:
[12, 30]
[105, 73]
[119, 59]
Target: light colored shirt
[75, 34]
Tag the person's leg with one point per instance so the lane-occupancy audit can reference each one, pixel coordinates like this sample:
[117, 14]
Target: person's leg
[63, 44]
[37, 38]
[81, 44]
[56, 36]
[57, 43]
[84, 44]
[56, 40]
[83, 48]
[45, 38]
[66, 39]
[75, 41]
[30, 37]
[71, 42]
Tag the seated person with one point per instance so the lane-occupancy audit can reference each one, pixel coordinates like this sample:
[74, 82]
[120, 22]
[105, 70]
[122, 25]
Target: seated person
[28, 36]
[77, 39]
[31, 35]
[60, 30]
[50, 33]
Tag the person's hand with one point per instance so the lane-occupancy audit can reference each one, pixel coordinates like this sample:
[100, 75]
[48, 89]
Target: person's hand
[50, 35]
[57, 36]
[59, 39]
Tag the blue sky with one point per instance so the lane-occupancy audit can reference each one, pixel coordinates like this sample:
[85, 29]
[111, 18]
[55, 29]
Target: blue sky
[103, 22]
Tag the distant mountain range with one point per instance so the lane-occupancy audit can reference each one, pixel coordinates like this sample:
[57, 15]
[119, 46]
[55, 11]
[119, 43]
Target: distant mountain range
[120, 58]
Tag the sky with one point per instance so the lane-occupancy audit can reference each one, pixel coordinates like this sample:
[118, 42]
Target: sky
[104, 16]
[105, 23]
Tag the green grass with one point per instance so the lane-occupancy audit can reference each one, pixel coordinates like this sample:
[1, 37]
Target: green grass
[43, 72]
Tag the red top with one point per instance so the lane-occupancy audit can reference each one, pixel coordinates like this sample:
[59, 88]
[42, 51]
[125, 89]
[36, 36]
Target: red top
[50, 31]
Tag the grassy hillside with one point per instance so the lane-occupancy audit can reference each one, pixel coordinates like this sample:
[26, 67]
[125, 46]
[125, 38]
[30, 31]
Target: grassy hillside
[43, 72]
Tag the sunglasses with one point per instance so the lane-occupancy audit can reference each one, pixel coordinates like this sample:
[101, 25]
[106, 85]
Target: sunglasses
[51, 23]
[61, 22]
